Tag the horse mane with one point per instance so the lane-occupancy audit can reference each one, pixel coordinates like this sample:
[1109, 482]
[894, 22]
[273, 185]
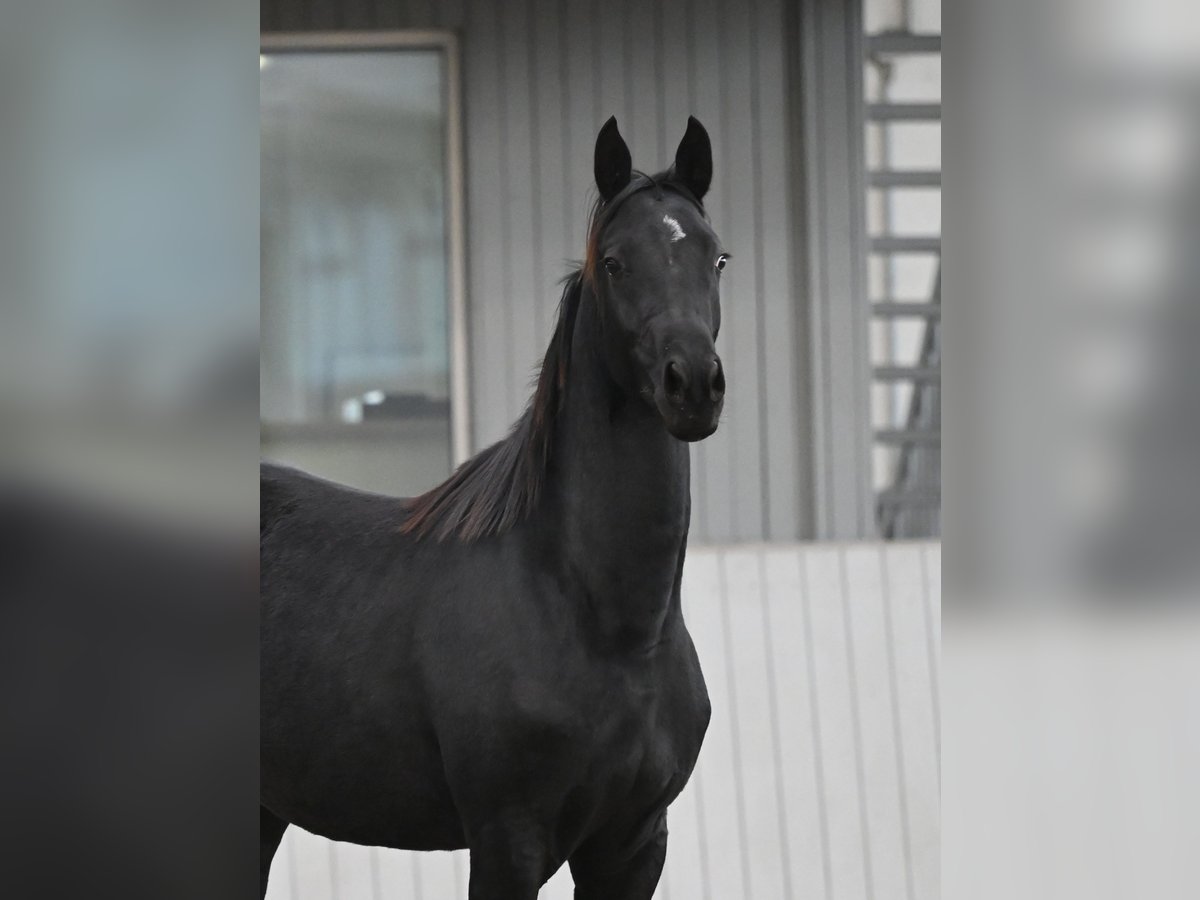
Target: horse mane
[501, 485]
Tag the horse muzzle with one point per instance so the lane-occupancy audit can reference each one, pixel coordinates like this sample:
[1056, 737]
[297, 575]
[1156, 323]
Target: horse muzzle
[690, 394]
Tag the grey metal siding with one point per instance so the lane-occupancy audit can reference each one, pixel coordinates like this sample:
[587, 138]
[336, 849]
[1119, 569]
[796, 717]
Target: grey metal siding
[539, 78]
[829, 37]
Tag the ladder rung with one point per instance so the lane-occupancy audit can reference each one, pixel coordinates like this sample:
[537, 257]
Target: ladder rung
[901, 310]
[904, 42]
[902, 436]
[906, 373]
[892, 179]
[910, 112]
[906, 245]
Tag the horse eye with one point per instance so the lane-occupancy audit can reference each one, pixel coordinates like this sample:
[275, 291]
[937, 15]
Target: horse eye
[611, 265]
[721, 260]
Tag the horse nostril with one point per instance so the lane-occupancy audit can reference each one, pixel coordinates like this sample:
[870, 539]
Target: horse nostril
[674, 380]
[716, 381]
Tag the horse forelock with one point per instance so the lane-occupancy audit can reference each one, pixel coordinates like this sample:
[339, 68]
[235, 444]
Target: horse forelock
[602, 213]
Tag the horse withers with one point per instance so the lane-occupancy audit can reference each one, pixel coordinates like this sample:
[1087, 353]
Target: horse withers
[502, 663]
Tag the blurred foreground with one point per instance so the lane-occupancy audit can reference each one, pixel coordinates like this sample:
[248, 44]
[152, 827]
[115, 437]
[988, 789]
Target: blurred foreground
[1072, 405]
[128, 441]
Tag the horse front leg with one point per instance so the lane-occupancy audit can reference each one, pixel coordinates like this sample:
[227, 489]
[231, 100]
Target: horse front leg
[601, 875]
[509, 861]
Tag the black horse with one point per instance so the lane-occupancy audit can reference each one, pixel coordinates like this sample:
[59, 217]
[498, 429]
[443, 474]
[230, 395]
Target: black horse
[502, 663]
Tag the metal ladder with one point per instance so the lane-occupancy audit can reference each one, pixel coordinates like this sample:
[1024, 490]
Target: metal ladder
[910, 506]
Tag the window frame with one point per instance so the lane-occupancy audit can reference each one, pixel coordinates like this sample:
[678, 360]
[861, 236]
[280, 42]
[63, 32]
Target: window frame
[447, 43]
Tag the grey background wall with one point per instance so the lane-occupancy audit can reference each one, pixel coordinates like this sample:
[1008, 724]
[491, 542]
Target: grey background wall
[539, 78]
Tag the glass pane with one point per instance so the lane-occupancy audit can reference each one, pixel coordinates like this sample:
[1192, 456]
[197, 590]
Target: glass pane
[355, 356]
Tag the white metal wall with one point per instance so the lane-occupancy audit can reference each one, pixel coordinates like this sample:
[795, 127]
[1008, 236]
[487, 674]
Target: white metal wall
[819, 777]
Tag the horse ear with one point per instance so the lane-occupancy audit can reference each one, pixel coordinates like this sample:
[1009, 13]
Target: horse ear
[613, 165]
[693, 159]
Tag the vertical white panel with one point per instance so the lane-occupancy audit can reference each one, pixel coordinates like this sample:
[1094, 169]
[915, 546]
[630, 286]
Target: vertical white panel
[397, 873]
[795, 691]
[684, 868]
[438, 874]
[560, 886]
[835, 720]
[755, 744]
[717, 787]
[462, 865]
[915, 689]
[377, 892]
[353, 870]
[662, 890]
[312, 872]
[281, 884]
[878, 725]
[932, 571]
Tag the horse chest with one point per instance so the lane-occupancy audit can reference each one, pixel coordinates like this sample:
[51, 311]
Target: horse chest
[645, 742]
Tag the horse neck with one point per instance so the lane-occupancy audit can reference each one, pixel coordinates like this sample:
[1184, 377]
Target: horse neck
[623, 492]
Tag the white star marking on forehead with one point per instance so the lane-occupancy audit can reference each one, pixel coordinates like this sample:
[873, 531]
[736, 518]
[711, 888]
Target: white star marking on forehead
[676, 232]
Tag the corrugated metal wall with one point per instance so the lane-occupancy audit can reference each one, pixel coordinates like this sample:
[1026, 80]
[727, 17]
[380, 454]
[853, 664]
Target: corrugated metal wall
[819, 773]
[540, 77]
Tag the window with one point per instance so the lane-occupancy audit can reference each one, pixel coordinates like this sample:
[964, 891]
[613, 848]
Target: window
[362, 332]
[902, 83]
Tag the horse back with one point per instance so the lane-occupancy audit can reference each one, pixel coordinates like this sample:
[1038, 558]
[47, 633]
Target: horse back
[346, 736]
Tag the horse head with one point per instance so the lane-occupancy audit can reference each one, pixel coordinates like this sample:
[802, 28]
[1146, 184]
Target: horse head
[654, 264]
